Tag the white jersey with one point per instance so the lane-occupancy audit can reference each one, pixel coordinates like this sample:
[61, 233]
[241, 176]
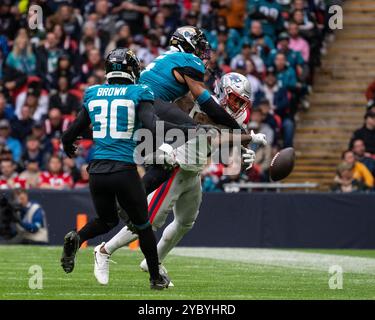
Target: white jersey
[192, 156]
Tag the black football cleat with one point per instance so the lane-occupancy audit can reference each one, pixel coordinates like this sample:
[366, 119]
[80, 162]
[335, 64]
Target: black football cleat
[71, 246]
[161, 283]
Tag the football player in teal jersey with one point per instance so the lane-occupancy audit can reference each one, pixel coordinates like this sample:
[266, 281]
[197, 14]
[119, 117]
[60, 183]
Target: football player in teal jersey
[171, 76]
[115, 111]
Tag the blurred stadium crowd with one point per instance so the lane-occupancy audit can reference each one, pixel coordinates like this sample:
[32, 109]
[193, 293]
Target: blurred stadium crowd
[276, 44]
[356, 172]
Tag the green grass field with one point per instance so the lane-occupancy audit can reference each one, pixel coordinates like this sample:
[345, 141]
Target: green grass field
[197, 274]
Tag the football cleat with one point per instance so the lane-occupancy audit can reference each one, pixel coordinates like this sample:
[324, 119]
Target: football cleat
[71, 245]
[161, 283]
[162, 270]
[101, 265]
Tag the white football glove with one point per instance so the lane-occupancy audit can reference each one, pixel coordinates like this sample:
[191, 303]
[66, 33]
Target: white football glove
[248, 157]
[169, 154]
[258, 138]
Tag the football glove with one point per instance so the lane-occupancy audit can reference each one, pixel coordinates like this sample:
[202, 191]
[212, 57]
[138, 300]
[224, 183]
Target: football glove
[258, 138]
[70, 149]
[248, 157]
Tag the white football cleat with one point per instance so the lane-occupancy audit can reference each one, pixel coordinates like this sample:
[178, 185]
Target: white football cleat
[101, 266]
[162, 270]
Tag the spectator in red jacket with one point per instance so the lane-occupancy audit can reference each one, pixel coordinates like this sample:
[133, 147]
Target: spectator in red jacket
[55, 178]
[9, 178]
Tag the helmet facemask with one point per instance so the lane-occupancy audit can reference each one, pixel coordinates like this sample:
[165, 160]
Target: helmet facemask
[235, 103]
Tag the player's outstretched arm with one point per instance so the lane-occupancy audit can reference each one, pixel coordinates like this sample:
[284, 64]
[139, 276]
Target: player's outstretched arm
[68, 138]
[149, 118]
[208, 105]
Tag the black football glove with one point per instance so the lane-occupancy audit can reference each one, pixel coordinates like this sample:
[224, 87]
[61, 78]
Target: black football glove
[70, 149]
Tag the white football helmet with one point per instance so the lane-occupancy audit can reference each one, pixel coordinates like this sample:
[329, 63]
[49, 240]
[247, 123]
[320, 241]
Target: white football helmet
[234, 93]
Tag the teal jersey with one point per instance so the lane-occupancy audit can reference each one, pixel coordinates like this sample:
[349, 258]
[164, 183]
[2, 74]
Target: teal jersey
[113, 111]
[158, 75]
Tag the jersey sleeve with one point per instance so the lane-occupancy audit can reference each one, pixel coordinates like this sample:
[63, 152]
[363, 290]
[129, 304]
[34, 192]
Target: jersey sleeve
[146, 94]
[194, 62]
[87, 96]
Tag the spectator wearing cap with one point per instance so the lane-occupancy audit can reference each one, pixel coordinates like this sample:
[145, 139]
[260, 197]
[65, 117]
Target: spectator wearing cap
[261, 43]
[297, 43]
[227, 43]
[31, 173]
[366, 133]
[9, 178]
[34, 153]
[248, 53]
[362, 156]
[345, 181]
[360, 171]
[36, 98]
[6, 109]
[38, 131]
[54, 177]
[63, 100]
[294, 58]
[21, 127]
[133, 13]
[13, 144]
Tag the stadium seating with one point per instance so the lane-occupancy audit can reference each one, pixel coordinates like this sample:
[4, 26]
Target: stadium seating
[337, 101]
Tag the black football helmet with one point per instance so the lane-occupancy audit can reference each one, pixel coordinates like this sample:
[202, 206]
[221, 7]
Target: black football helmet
[191, 40]
[122, 63]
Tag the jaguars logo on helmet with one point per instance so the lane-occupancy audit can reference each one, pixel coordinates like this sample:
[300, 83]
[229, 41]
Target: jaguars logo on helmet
[122, 63]
[191, 40]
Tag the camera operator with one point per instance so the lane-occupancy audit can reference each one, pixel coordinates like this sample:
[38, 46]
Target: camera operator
[23, 222]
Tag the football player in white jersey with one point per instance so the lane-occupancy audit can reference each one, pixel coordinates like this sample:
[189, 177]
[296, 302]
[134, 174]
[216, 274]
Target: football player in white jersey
[182, 192]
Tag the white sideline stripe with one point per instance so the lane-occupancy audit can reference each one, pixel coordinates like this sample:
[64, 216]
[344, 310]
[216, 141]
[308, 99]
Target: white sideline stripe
[282, 258]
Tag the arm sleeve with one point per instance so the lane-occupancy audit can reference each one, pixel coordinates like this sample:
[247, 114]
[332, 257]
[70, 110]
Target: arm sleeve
[149, 118]
[191, 72]
[77, 127]
[217, 113]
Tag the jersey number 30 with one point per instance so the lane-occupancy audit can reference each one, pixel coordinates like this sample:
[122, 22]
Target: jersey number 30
[111, 120]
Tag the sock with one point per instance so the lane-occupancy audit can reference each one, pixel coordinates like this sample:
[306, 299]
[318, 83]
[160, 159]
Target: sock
[92, 229]
[121, 239]
[172, 235]
[147, 242]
